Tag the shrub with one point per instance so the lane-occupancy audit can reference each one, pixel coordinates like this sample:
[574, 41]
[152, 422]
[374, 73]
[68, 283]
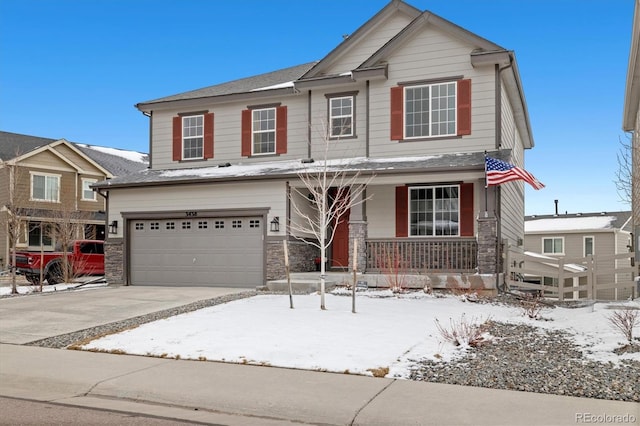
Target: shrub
[532, 306]
[463, 332]
[624, 320]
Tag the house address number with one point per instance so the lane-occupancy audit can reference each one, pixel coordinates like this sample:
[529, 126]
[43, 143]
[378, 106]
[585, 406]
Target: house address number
[191, 214]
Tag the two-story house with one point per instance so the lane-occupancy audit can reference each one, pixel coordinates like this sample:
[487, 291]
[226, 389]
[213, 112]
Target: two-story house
[410, 100]
[582, 235]
[45, 181]
[631, 122]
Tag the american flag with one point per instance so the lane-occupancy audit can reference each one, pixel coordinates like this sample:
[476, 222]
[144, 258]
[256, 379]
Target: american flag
[499, 172]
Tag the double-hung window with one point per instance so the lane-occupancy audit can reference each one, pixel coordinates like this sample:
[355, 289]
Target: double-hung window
[193, 137]
[88, 194]
[588, 246]
[341, 116]
[434, 211]
[430, 110]
[263, 131]
[553, 245]
[45, 187]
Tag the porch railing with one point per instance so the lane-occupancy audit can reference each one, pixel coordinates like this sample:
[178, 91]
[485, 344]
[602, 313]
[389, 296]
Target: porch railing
[422, 255]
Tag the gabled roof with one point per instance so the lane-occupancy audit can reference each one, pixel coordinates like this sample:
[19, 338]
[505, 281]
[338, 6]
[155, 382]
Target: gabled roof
[577, 222]
[114, 163]
[360, 33]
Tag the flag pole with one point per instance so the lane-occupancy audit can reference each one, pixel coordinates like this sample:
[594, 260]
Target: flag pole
[485, 186]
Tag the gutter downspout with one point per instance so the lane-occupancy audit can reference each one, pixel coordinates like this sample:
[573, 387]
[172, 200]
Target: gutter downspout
[498, 198]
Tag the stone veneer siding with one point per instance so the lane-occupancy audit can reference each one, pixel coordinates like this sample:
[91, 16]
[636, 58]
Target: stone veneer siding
[487, 245]
[114, 261]
[358, 231]
[301, 258]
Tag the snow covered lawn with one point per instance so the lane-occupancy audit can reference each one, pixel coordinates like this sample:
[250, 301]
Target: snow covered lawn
[387, 331]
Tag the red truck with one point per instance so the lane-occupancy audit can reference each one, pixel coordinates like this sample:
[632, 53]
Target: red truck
[85, 257]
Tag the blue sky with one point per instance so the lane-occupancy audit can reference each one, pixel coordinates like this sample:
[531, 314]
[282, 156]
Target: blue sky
[74, 69]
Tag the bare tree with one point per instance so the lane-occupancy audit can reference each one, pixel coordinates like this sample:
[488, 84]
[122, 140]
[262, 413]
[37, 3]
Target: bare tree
[624, 174]
[319, 180]
[15, 211]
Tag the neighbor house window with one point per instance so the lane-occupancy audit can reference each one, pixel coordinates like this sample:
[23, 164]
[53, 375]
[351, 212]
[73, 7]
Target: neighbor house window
[192, 137]
[430, 110]
[588, 246]
[88, 194]
[45, 187]
[264, 131]
[553, 245]
[40, 235]
[341, 116]
[434, 211]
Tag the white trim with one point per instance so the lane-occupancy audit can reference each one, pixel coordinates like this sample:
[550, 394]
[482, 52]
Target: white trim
[430, 100]
[45, 175]
[93, 193]
[183, 137]
[331, 117]
[275, 131]
[553, 238]
[584, 245]
[433, 210]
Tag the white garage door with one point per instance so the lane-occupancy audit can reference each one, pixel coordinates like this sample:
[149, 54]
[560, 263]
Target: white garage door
[220, 252]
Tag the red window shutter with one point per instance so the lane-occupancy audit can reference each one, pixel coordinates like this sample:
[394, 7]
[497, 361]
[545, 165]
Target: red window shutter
[397, 113]
[467, 218]
[177, 138]
[464, 107]
[208, 135]
[402, 211]
[281, 130]
[246, 133]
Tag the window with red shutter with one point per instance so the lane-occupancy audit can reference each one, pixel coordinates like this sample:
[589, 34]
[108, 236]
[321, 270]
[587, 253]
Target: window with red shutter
[264, 131]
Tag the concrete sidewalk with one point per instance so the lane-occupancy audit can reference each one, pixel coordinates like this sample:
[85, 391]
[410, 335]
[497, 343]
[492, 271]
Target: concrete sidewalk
[231, 394]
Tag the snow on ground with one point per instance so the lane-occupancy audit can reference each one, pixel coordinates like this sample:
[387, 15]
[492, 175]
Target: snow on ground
[5, 290]
[387, 331]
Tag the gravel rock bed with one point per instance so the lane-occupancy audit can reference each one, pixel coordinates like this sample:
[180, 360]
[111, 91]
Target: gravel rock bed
[64, 340]
[525, 358]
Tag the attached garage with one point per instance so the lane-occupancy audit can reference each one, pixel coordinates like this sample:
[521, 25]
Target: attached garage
[212, 251]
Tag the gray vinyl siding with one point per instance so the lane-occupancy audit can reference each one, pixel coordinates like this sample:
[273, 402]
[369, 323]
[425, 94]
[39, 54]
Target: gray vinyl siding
[338, 148]
[227, 134]
[216, 196]
[429, 55]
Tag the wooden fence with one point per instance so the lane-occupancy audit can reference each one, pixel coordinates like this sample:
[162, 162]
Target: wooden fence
[609, 277]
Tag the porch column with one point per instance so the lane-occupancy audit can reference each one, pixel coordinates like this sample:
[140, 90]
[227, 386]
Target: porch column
[358, 231]
[487, 239]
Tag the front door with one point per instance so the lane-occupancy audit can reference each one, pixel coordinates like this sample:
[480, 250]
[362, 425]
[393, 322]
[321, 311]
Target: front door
[340, 246]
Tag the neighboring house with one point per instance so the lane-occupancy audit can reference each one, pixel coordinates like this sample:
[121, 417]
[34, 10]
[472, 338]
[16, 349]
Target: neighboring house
[409, 98]
[49, 180]
[574, 236]
[631, 122]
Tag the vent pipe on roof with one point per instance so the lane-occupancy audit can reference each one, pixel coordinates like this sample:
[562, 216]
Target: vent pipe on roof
[556, 202]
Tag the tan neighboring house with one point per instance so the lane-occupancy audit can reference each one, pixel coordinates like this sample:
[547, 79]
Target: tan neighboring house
[631, 122]
[574, 236]
[410, 100]
[49, 180]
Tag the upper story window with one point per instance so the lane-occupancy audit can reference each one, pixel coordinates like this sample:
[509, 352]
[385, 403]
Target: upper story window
[430, 109]
[434, 211]
[193, 136]
[88, 194]
[45, 187]
[264, 130]
[588, 246]
[553, 245]
[341, 110]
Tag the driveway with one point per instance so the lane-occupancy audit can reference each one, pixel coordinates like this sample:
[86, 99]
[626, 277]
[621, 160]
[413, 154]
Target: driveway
[25, 319]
